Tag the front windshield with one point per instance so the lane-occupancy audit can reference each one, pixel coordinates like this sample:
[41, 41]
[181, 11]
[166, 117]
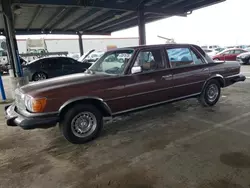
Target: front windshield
[113, 62]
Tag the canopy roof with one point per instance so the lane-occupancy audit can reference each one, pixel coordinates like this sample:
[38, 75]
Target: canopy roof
[93, 16]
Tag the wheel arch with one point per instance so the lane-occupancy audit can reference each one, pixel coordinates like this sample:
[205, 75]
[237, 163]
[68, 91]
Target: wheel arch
[217, 77]
[96, 101]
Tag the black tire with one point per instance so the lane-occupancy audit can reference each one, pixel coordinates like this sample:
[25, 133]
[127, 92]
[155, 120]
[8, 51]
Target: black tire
[216, 59]
[69, 132]
[205, 97]
[41, 75]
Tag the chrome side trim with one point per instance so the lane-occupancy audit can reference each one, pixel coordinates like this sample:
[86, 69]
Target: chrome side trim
[148, 92]
[235, 75]
[105, 105]
[155, 104]
[182, 85]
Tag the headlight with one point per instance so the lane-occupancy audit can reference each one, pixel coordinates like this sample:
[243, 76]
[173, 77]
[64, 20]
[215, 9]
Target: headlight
[34, 104]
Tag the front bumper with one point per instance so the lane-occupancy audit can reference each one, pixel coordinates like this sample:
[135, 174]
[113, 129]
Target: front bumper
[14, 118]
[233, 79]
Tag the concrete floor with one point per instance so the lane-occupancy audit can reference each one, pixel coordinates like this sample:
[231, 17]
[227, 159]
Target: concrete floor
[180, 145]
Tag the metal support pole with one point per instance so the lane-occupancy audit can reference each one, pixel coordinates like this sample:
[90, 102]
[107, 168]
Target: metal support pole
[141, 26]
[2, 89]
[11, 39]
[9, 56]
[16, 76]
[80, 44]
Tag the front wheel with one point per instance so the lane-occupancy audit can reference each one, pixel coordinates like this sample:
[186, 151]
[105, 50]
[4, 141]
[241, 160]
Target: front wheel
[211, 93]
[81, 123]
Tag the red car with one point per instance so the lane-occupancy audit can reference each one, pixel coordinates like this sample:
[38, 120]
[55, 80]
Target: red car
[229, 54]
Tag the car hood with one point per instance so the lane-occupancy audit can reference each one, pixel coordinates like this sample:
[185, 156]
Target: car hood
[62, 81]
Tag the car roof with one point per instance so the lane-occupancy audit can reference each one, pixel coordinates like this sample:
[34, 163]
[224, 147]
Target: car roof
[55, 57]
[229, 49]
[151, 46]
[46, 58]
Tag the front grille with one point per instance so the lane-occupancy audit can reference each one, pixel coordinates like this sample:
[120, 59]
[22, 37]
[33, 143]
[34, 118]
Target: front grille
[19, 101]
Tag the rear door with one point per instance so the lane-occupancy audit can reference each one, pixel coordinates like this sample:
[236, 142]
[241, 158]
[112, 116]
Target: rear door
[229, 55]
[189, 69]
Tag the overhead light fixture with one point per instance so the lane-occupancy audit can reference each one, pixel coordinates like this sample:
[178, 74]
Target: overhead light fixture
[17, 9]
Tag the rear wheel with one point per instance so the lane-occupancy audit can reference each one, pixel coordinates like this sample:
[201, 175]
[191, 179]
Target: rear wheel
[211, 93]
[39, 76]
[81, 123]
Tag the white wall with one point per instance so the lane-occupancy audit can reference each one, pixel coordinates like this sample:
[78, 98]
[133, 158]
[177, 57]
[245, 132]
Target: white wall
[72, 45]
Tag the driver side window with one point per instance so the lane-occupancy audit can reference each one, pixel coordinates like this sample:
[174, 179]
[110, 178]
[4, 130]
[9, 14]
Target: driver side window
[149, 60]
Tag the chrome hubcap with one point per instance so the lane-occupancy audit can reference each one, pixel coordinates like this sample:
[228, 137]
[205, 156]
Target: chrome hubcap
[83, 124]
[40, 76]
[212, 92]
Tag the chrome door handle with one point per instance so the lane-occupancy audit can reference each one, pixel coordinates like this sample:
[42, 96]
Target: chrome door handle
[167, 76]
[205, 69]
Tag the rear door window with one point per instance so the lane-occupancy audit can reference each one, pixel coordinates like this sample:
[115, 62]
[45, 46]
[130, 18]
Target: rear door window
[238, 51]
[179, 57]
[182, 57]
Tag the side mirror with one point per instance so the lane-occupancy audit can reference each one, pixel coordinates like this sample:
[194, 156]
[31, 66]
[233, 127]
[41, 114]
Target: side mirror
[135, 70]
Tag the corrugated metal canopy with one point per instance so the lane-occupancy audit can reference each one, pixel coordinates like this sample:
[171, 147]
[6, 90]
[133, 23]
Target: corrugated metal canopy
[93, 16]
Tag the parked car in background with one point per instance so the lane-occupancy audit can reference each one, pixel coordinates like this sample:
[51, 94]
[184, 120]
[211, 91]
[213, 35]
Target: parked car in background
[91, 56]
[210, 52]
[210, 47]
[50, 67]
[244, 58]
[213, 52]
[152, 75]
[220, 49]
[228, 54]
[4, 68]
[247, 49]
[75, 56]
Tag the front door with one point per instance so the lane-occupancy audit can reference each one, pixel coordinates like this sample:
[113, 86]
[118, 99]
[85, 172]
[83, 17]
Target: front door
[54, 67]
[189, 69]
[152, 84]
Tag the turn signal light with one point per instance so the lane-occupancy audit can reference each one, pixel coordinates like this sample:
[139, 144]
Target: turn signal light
[38, 105]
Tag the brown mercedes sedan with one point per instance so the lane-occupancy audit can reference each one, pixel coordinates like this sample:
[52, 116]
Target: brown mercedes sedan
[121, 81]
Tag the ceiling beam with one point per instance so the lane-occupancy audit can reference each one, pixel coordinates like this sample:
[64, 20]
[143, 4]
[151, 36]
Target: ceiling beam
[62, 17]
[167, 5]
[132, 6]
[118, 19]
[53, 17]
[39, 32]
[106, 16]
[35, 16]
[80, 18]
[125, 25]
[129, 24]
[201, 4]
